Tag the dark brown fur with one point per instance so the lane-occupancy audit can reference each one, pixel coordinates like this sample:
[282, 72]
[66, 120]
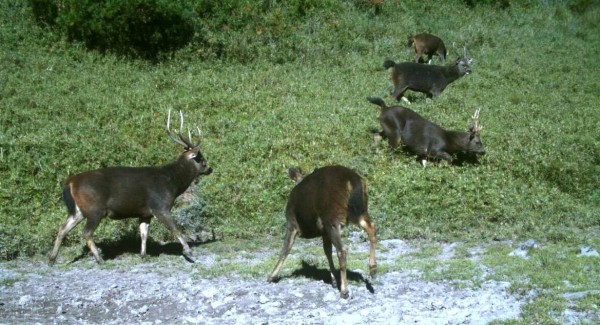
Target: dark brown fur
[318, 206]
[428, 79]
[427, 44]
[129, 192]
[424, 138]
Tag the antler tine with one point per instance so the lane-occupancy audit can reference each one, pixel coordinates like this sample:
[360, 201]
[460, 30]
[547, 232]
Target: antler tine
[181, 141]
[455, 50]
[475, 127]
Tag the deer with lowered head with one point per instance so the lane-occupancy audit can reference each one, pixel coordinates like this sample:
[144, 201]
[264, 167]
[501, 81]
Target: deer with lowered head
[429, 45]
[426, 139]
[428, 79]
[132, 192]
[318, 206]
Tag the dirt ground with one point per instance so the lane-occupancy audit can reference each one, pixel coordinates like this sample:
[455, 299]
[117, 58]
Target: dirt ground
[169, 290]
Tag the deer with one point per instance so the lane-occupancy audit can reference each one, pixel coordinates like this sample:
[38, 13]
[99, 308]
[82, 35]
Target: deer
[429, 45]
[318, 206]
[428, 79]
[132, 192]
[426, 139]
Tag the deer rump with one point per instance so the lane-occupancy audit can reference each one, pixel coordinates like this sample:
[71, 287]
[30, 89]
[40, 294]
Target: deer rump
[316, 206]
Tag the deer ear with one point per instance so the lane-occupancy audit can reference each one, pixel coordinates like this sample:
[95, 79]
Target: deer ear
[295, 174]
[190, 154]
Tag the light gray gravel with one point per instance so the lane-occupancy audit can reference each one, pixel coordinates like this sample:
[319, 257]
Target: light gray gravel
[169, 290]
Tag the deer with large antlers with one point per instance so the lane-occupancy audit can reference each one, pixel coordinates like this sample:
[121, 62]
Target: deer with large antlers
[132, 192]
[426, 139]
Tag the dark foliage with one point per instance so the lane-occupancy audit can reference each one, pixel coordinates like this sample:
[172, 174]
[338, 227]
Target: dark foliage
[138, 28]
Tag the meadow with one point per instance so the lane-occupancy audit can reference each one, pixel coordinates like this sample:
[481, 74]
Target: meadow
[66, 109]
[274, 85]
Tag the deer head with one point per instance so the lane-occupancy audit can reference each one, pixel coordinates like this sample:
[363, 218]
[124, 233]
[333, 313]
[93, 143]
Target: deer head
[191, 148]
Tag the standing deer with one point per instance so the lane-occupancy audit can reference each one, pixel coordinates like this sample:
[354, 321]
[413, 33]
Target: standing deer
[428, 79]
[429, 45]
[319, 205]
[425, 138]
[131, 192]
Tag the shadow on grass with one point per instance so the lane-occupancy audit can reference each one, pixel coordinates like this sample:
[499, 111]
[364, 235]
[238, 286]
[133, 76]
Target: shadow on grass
[312, 272]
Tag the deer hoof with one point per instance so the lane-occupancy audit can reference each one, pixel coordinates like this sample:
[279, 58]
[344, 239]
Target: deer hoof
[190, 256]
[373, 270]
[344, 294]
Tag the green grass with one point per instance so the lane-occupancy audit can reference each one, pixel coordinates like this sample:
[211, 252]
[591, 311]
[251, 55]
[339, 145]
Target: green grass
[294, 94]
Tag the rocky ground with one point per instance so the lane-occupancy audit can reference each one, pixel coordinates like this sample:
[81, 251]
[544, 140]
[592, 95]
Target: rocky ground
[169, 290]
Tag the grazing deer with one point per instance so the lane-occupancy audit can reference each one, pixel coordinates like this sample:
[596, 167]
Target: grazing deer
[429, 45]
[425, 138]
[319, 205]
[428, 79]
[131, 192]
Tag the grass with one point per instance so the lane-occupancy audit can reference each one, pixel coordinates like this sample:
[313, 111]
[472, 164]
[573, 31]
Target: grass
[279, 99]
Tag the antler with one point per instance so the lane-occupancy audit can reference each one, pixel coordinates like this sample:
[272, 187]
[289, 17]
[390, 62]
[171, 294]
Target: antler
[180, 139]
[475, 127]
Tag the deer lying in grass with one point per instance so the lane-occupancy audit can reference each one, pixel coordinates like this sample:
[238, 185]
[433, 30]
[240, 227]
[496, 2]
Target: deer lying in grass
[131, 192]
[428, 79]
[318, 206]
[425, 138]
[429, 45]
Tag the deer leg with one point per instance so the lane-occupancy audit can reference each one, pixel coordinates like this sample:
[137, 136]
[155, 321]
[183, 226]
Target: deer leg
[442, 155]
[88, 234]
[72, 221]
[290, 236]
[399, 92]
[335, 236]
[165, 218]
[144, 228]
[327, 247]
[418, 57]
[369, 227]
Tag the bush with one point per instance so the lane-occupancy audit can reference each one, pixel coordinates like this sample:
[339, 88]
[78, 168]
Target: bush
[140, 28]
[44, 11]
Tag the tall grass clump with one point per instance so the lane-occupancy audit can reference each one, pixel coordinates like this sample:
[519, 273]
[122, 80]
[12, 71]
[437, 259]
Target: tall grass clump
[278, 84]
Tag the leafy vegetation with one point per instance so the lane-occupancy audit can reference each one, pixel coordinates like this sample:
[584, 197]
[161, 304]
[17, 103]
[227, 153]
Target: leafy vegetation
[297, 97]
[140, 28]
[278, 84]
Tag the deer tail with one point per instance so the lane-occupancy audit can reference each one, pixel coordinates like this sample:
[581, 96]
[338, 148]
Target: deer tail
[377, 101]
[357, 202]
[388, 64]
[68, 199]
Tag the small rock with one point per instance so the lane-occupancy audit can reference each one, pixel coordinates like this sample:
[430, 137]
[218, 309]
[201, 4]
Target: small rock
[140, 311]
[330, 296]
[529, 244]
[210, 292]
[587, 251]
[143, 309]
[263, 299]
[24, 300]
[524, 249]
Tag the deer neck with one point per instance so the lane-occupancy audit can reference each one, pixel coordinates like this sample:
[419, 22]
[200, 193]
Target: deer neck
[181, 173]
[452, 73]
[459, 141]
